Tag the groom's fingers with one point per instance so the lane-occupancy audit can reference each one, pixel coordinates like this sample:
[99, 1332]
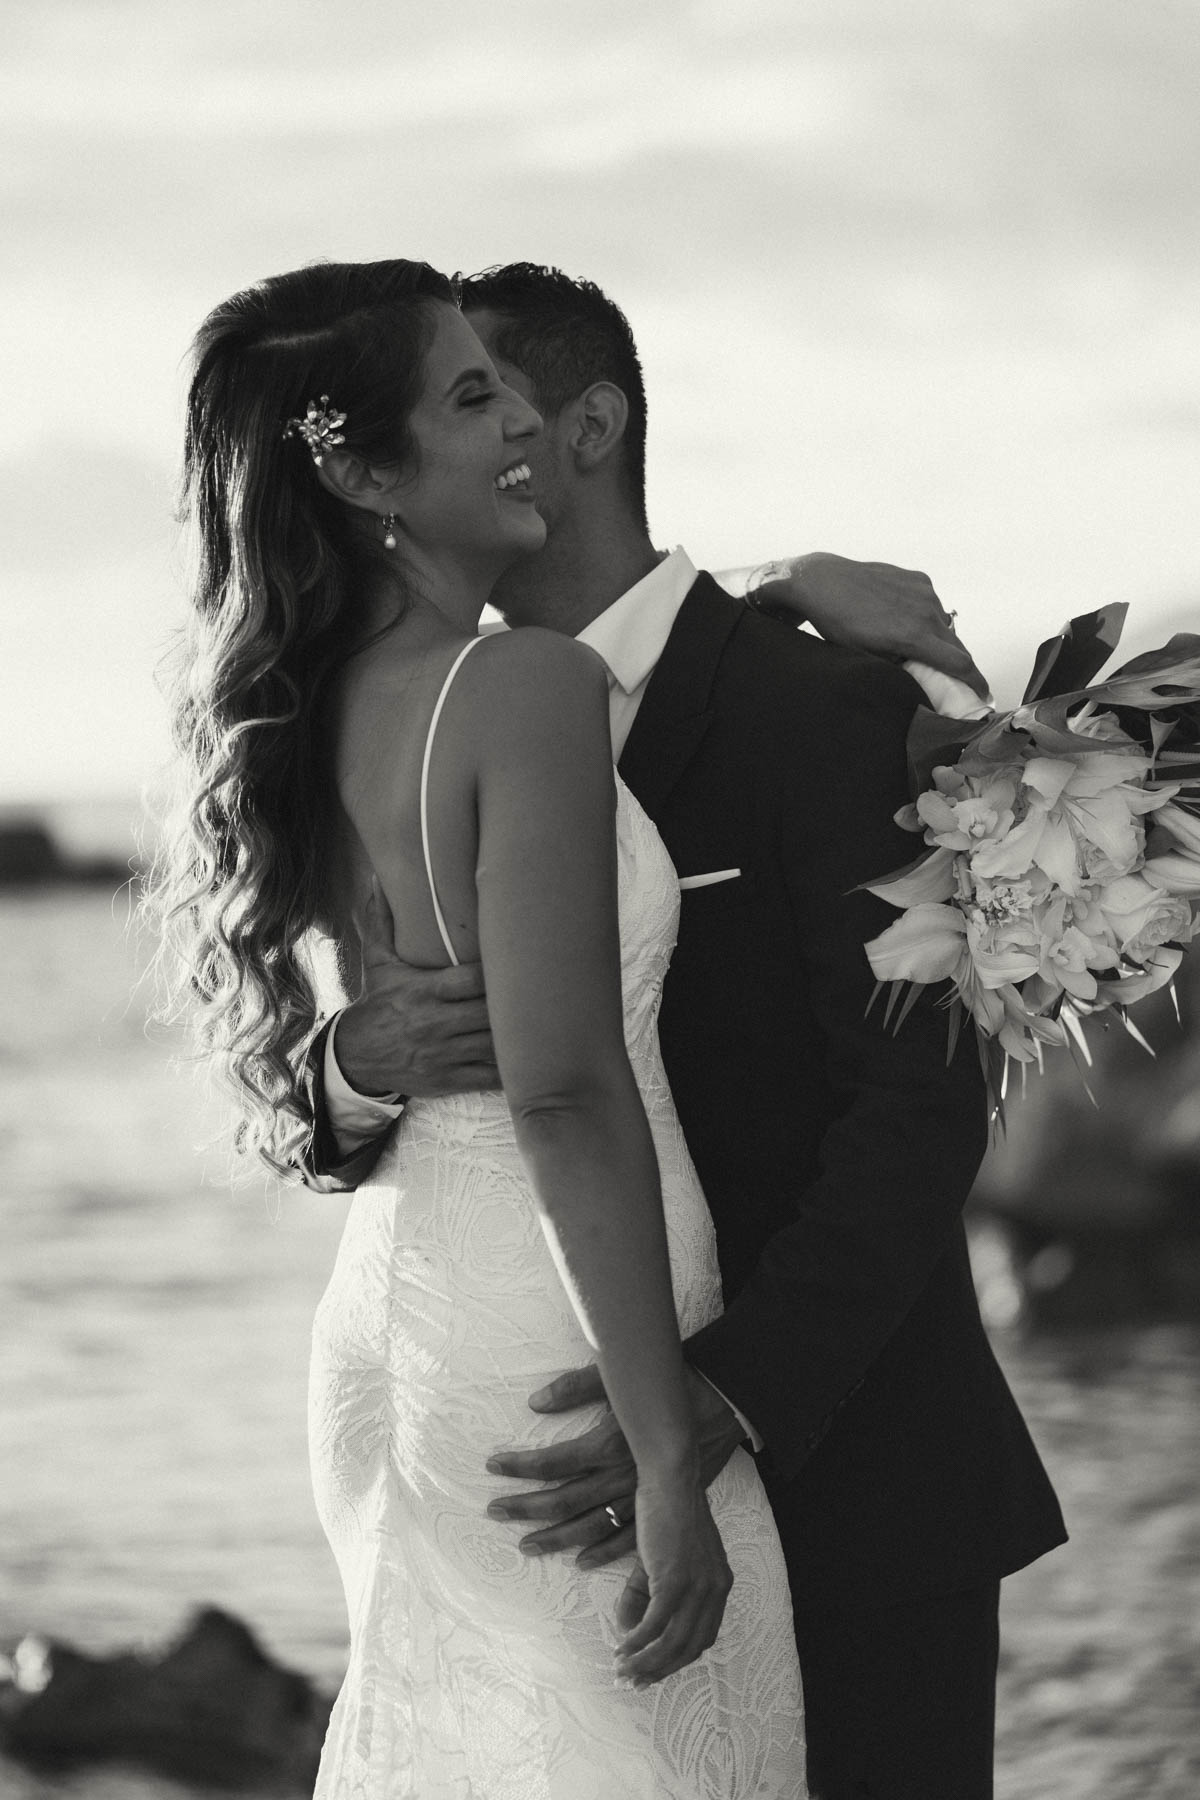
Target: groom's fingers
[576, 1522]
[571, 1504]
[942, 650]
[927, 627]
[610, 1547]
[593, 1530]
[376, 927]
[902, 613]
[570, 1501]
[578, 1387]
[460, 982]
[601, 1452]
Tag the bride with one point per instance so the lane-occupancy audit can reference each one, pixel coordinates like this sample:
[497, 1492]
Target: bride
[355, 480]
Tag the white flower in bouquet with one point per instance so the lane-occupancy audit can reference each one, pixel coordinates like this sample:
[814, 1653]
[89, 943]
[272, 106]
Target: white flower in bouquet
[1040, 898]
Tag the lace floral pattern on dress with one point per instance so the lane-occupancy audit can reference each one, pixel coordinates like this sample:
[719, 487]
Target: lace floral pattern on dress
[477, 1673]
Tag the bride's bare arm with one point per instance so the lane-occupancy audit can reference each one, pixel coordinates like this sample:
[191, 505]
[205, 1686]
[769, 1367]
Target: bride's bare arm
[549, 942]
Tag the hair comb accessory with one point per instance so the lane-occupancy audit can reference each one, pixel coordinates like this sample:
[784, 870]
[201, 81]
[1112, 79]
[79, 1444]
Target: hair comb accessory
[318, 428]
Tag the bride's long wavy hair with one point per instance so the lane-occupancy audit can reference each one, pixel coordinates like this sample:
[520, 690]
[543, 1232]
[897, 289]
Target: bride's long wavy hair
[280, 569]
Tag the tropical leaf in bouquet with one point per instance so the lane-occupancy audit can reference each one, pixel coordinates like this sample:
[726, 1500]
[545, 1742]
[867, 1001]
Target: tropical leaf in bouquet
[1137, 1036]
[1182, 719]
[994, 1063]
[934, 740]
[1179, 765]
[998, 740]
[1183, 646]
[1067, 662]
[1053, 725]
[1169, 677]
[902, 996]
[1079, 1050]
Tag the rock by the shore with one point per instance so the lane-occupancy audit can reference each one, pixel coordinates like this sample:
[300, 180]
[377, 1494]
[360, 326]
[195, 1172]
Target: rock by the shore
[31, 856]
[28, 853]
[213, 1708]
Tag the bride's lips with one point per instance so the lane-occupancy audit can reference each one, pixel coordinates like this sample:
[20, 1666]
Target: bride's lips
[513, 482]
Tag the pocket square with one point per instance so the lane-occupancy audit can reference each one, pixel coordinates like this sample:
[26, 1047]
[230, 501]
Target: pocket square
[699, 881]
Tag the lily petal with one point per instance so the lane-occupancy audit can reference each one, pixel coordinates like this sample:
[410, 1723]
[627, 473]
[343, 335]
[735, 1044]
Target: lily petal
[1176, 871]
[1183, 826]
[926, 945]
[929, 880]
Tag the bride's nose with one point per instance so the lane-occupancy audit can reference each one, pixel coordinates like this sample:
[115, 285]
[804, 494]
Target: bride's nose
[523, 420]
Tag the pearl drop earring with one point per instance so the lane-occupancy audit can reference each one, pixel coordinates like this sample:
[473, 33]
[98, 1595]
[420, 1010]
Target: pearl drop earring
[389, 531]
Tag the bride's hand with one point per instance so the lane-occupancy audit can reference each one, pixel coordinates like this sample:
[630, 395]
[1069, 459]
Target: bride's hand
[673, 1602]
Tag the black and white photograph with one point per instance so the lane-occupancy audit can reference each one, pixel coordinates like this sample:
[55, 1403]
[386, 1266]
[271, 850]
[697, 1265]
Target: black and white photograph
[600, 901]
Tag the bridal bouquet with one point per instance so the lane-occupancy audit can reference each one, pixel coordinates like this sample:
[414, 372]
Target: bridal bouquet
[1061, 875]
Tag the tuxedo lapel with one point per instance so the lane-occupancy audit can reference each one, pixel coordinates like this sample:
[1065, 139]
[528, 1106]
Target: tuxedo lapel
[675, 710]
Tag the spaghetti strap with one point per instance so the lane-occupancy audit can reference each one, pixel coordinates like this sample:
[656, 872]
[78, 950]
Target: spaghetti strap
[433, 724]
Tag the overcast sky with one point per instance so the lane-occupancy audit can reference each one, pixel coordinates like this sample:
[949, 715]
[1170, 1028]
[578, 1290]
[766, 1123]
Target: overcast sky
[912, 282]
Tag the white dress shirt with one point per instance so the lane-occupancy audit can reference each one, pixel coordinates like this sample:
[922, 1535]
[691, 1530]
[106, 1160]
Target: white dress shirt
[631, 635]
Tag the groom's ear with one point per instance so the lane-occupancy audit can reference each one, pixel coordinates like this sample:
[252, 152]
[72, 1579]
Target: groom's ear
[601, 415]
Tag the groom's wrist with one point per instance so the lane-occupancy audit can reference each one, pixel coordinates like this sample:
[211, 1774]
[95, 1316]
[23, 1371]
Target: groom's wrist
[749, 1435]
[776, 589]
[347, 1081]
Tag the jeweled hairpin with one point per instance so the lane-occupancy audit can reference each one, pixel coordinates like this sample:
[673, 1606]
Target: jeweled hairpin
[318, 428]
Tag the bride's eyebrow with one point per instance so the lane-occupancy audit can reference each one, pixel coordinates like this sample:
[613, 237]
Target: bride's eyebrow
[468, 375]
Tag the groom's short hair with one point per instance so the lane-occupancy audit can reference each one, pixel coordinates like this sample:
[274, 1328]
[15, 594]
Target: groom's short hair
[563, 335]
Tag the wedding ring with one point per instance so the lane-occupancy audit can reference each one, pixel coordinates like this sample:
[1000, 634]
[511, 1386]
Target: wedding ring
[614, 1515]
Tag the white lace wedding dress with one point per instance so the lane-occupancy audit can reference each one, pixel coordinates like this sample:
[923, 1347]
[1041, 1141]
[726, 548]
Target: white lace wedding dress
[477, 1673]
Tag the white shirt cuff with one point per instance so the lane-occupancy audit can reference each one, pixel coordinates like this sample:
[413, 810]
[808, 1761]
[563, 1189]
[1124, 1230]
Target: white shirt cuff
[952, 698]
[355, 1118]
[756, 1442]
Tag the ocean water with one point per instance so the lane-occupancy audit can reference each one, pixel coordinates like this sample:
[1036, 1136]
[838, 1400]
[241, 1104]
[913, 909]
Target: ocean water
[153, 1343]
[154, 1322]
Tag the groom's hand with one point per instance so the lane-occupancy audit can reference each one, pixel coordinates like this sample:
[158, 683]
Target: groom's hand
[872, 606]
[595, 1471]
[417, 1032]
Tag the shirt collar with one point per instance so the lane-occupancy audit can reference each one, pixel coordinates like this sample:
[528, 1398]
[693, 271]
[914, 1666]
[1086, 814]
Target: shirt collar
[632, 633]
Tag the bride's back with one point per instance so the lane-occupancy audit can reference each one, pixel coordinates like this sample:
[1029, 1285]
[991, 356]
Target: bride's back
[388, 750]
[382, 726]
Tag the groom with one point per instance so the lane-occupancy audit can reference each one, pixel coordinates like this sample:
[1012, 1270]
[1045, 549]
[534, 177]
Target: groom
[835, 1155]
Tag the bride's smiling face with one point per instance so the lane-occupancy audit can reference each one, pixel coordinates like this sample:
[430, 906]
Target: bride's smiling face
[470, 492]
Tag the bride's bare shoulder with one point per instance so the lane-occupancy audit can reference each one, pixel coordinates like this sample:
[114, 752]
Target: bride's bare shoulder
[534, 662]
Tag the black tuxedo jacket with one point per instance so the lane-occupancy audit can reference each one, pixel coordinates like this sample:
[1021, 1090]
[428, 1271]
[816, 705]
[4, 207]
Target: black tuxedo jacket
[835, 1155]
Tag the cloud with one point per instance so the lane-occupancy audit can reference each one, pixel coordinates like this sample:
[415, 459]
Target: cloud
[910, 282]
